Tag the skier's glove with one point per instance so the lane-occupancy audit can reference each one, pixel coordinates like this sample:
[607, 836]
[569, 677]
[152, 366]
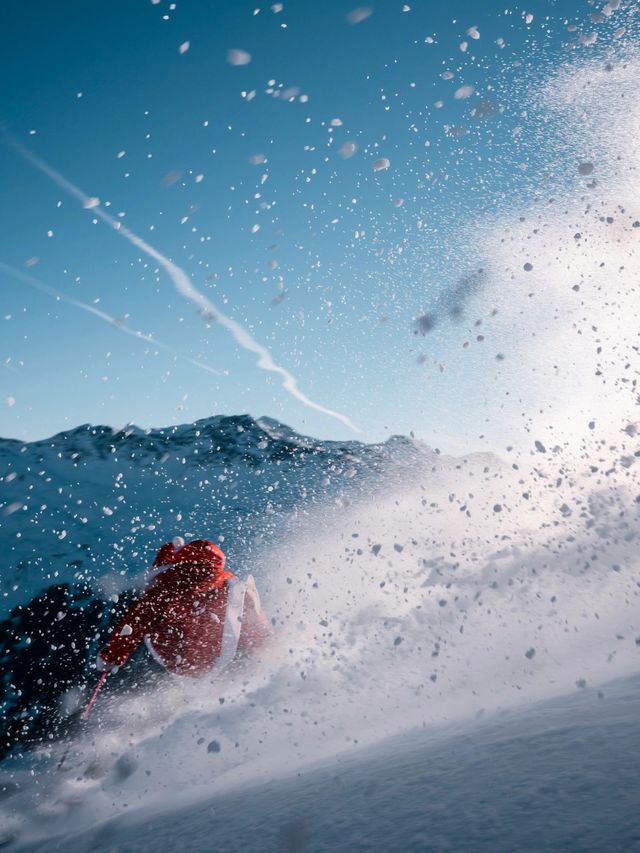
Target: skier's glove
[104, 666]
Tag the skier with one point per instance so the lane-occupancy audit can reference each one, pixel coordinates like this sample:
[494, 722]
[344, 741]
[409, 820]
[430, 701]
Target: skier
[194, 616]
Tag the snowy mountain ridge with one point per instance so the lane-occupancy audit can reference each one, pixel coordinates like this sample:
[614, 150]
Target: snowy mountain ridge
[95, 498]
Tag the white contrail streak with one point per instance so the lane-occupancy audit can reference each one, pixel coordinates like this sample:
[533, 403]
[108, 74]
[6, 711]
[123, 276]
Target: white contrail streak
[181, 282]
[102, 315]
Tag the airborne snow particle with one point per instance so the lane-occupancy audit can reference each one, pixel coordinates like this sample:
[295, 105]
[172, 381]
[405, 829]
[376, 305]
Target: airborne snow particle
[473, 32]
[184, 47]
[336, 122]
[124, 767]
[581, 682]
[530, 653]
[91, 203]
[236, 56]
[9, 401]
[171, 179]
[382, 163]
[528, 267]
[213, 746]
[397, 641]
[348, 149]
[424, 324]
[540, 446]
[497, 507]
[356, 16]
[586, 168]
[463, 92]
[528, 18]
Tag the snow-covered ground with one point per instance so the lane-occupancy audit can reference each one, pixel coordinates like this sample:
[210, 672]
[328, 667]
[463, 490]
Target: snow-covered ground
[560, 775]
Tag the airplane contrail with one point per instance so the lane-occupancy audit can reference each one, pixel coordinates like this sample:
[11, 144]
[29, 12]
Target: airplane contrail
[181, 281]
[102, 315]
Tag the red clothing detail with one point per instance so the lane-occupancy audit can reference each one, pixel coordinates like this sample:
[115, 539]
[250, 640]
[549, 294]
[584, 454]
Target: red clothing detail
[198, 551]
[183, 613]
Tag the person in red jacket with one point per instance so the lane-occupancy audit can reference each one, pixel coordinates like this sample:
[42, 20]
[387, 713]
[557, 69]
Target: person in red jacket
[194, 615]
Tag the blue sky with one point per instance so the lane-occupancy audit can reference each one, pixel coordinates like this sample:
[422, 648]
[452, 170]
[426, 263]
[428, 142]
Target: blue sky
[345, 257]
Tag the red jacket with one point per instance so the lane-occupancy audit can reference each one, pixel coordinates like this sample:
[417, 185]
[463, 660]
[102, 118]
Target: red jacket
[193, 616]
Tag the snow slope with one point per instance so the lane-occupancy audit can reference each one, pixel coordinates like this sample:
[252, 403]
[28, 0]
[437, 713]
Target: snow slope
[540, 779]
[445, 589]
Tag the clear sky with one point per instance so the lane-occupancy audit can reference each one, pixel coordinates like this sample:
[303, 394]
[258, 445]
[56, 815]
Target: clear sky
[246, 144]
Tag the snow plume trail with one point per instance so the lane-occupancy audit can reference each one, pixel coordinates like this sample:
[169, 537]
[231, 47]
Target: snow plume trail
[411, 614]
[102, 315]
[181, 282]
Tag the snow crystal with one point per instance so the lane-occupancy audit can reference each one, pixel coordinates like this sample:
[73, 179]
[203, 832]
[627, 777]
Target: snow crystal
[347, 149]
[382, 163]
[236, 56]
[463, 92]
[9, 401]
[586, 168]
[356, 16]
[91, 203]
[473, 32]
[184, 47]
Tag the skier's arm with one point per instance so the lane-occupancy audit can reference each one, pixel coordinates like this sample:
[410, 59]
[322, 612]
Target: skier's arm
[130, 631]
